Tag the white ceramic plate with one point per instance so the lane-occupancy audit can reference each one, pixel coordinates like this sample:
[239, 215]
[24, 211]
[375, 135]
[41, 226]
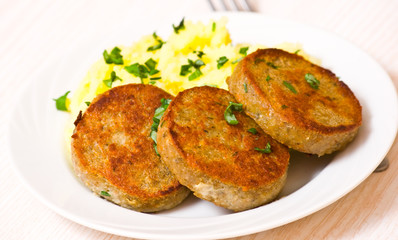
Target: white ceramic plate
[35, 139]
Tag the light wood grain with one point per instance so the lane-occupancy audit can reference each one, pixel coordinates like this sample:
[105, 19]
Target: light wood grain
[33, 31]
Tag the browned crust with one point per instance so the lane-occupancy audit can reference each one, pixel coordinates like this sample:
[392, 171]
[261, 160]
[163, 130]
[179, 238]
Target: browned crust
[216, 160]
[113, 152]
[317, 121]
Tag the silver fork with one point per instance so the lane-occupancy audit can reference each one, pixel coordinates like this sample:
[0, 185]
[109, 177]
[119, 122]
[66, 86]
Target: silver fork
[230, 5]
[244, 6]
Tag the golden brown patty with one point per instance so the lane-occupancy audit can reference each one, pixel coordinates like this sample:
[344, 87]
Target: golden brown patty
[114, 156]
[218, 161]
[279, 92]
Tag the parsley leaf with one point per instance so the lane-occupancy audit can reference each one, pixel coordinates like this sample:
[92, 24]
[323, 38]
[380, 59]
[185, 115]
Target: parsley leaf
[186, 69]
[143, 71]
[158, 45]
[114, 57]
[213, 26]
[60, 103]
[180, 27]
[229, 116]
[245, 87]
[221, 61]
[105, 193]
[243, 50]
[312, 81]
[252, 130]
[156, 120]
[108, 82]
[290, 87]
[199, 53]
[272, 65]
[267, 149]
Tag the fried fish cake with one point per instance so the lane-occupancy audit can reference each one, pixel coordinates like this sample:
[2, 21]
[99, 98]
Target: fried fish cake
[113, 154]
[235, 166]
[299, 104]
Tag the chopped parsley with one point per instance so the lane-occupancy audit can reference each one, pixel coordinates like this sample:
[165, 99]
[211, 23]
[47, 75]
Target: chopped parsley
[60, 103]
[271, 64]
[245, 87]
[114, 57]
[213, 27]
[199, 53]
[87, 103]
[290, 87]
[284, 106]
[180, 27]
[268, 78]
[109, 82]
[243, 51]
[105, 193]
[229, 116]
[297, 51]
[144, 71]
[158, 45]
[195, 75]
[253, 130]
[187, 69]
[312, 81]
[267, 149]
[258, 60]
[221, 61]
[156, 120]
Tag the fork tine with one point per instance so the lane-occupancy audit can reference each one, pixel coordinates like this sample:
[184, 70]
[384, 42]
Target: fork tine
[212, 5]
[232, 5]
[245, 6]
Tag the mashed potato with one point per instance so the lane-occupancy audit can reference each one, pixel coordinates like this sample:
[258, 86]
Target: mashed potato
[207, 47]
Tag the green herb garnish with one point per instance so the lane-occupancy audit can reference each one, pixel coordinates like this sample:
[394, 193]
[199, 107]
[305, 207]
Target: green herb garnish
[87, 103]
[186, 69]
[229, 116]
[156, 120]
[158, 45]
[284, 106]
[60, 103]
[221, 61]
[245, 87]
[143, 71]
[297, 51]
[199, 53]
[114, 57]
[312, 81]
[108, 82]
[243, 50]
[290, 87]
[267, 149]
[180, 27]
[252, 130]
[268, 78]
[213, 27]
[195, 75]
[105, 193]
[258, 60]
[272, 65]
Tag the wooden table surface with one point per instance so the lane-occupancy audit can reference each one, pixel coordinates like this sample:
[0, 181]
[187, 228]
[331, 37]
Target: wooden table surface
[33, 31]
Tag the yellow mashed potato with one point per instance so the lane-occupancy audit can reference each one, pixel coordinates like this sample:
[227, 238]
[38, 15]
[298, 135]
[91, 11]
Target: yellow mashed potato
[211, 39]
